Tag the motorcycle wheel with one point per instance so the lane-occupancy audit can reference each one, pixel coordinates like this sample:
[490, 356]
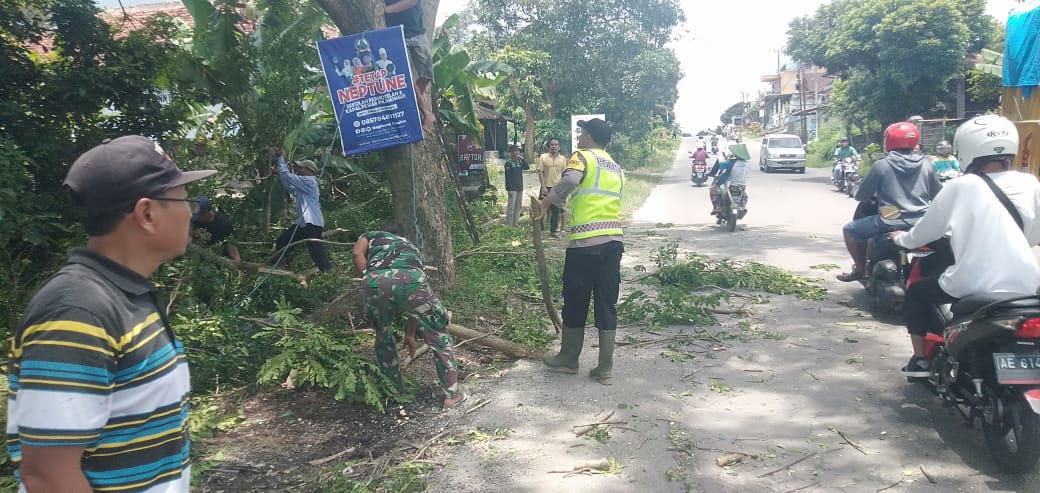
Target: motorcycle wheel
[1014, 440]
[851, 189]
[731, 222]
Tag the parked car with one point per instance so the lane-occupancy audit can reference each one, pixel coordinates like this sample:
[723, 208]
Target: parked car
[781, 151]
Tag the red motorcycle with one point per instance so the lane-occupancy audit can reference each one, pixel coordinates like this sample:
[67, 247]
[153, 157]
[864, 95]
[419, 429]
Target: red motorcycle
[699, 173]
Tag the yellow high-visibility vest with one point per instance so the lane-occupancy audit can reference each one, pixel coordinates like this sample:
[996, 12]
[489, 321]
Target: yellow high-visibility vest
[596, 201]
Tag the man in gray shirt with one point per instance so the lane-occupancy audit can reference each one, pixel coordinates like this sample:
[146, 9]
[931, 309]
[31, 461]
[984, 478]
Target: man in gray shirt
[903, 179]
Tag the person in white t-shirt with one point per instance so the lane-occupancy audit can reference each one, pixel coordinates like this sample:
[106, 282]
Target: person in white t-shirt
[993, 254]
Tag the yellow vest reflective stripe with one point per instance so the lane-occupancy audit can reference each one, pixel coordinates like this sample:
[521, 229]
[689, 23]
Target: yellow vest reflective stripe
[596, 201]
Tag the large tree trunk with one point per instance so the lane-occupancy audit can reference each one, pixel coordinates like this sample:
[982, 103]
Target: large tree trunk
[423, 205]
[529, 150]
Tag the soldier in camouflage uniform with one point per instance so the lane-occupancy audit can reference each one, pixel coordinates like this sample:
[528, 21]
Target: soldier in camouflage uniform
[394, 284]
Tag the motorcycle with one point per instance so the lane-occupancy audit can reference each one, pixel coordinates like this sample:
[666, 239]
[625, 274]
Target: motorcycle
[847, 175]
[948, 174]
[892, 268]
[699, 173]
[986, 365]
[731, 206]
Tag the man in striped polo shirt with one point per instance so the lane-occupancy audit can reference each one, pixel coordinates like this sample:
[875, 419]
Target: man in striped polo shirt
[98, 383]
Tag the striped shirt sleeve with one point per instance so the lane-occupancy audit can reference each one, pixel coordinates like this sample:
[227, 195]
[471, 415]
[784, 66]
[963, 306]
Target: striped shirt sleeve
[63, 379]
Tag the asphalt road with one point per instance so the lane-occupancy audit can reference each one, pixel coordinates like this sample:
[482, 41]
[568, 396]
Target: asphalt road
[794, 220]
[809, 390]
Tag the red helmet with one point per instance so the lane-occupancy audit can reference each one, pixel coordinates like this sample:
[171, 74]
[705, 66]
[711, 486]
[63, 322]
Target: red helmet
[902, 135]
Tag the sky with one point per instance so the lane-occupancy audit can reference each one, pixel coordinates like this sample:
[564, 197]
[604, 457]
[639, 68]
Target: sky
[724, 49]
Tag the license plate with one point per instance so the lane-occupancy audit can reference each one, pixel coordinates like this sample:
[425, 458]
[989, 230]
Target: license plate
[787, 162]
[463, 173]
[1015, 368]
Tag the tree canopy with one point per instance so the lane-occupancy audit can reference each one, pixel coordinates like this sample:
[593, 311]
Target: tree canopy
[603, 57]
[895, 56]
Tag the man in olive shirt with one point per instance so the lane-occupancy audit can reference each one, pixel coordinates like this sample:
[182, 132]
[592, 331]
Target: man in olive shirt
[550, 167]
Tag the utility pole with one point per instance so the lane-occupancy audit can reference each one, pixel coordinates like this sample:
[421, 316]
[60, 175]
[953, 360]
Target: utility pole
[801, 94]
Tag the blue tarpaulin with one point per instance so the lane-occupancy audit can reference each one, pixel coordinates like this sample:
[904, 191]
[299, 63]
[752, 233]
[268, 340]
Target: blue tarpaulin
[1022, 48]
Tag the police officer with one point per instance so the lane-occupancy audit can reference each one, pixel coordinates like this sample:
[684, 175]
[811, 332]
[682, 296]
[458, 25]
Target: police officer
[593, 180]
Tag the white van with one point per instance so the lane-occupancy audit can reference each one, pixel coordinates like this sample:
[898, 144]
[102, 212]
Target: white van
[781, 151]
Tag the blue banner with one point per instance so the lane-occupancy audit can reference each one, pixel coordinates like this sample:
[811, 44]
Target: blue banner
[370, 81]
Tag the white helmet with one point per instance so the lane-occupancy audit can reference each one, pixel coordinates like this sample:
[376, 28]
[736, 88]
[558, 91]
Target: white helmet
[985, 138]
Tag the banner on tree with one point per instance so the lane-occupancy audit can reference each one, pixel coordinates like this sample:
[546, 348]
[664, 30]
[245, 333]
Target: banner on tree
[370, 81]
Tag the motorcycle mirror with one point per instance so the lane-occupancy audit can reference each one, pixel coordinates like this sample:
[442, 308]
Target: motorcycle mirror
[889, 212]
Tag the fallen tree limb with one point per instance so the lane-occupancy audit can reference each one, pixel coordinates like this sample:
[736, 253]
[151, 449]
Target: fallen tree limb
[479, 405]
[845, 439]
[774, 471]
[487, 340]
[810, 485]
[586, 467]
[243, 265]
[278, 253]
[543, 271]
[929, 477]
[740, 310]
[418, 352]
[592, 426]
[325, 460]
[729, 459]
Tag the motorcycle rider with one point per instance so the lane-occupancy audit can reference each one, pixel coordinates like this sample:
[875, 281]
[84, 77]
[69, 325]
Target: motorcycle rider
[900, 180]
[992, 253]
[700, 155]
[944, 162]
[731, 172]
[841, 152]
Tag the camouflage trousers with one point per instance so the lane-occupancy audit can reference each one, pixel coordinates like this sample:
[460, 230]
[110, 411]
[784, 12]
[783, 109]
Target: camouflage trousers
[390, 293]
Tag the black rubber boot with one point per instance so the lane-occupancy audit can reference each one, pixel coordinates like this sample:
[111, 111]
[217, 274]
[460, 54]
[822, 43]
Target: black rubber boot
[570, 348]
[604, 371]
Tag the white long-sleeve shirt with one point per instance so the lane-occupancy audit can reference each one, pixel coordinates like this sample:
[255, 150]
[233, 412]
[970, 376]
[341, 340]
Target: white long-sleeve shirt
[992, 253]
[305, 189]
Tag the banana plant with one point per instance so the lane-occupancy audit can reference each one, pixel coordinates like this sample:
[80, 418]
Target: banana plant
[458, 79]
[992, 62]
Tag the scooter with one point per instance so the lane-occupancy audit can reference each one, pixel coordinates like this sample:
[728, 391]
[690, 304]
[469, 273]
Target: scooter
[986, 365]
[948, 174]
[699, 173]
[845, 169]
[731, 206]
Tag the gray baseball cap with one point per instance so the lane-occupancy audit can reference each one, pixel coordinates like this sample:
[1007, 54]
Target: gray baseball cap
[118, 172]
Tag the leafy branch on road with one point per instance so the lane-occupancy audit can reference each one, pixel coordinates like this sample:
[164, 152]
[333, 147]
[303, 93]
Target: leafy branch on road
[690, 290]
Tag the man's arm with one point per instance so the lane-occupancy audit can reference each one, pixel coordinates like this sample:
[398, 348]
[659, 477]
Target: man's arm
[291, 181]
[395, 8]
[360, 254]
[53, 469]
[540, 168]
[932, 225]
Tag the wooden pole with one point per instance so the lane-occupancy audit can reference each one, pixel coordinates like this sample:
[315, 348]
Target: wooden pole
[543, 271]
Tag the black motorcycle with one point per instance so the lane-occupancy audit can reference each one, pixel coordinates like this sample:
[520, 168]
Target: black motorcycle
[731, 206]
[892, 268]
[986, 365]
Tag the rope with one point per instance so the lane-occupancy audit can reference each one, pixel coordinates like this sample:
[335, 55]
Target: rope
[415, 214]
